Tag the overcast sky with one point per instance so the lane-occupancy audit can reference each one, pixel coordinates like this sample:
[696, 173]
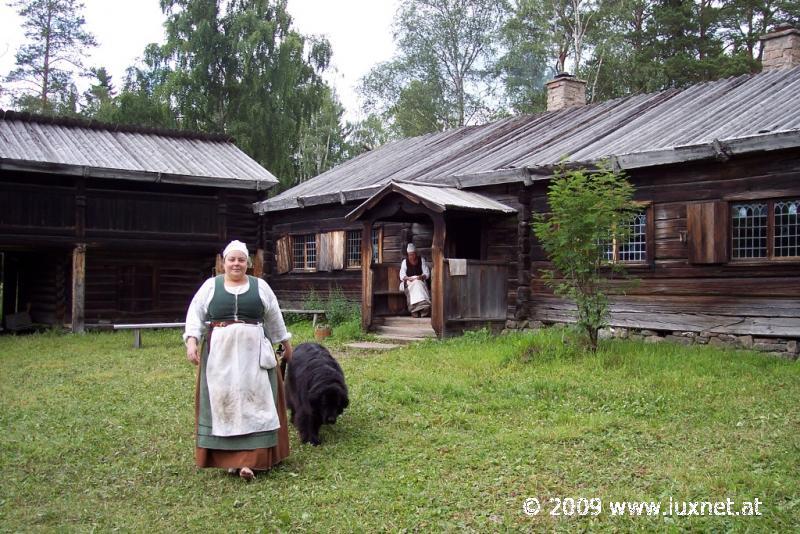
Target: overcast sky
[359, 31]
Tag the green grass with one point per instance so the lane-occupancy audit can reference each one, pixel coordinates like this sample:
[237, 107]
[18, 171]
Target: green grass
[440, 436]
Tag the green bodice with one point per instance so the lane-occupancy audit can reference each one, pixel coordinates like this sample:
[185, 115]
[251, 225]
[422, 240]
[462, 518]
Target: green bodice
[226, 306]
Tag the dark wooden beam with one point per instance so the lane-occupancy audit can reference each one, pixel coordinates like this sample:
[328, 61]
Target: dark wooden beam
[437, 286]
[258, 263]
[222, 213]
[78, 288]
[366, 275]
[80, 208]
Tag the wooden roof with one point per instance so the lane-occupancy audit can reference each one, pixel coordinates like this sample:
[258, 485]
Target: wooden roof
[708, 120]
[83, 148]
[434, 197]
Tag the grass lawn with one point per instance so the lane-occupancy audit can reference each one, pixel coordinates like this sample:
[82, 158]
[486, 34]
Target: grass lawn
[440, 436]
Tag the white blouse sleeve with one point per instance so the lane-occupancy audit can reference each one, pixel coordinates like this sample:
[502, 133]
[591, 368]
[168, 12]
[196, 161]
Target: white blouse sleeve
[273, 318]
[402, 270]
[198, 311]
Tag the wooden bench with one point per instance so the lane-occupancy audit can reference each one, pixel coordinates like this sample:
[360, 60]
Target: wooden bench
[314, 313]
[137, 330]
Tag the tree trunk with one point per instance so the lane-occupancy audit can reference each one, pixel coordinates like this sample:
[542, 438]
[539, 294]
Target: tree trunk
[46, 62]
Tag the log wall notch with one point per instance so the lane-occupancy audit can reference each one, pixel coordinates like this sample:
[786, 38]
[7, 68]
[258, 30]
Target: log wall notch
[523, 255]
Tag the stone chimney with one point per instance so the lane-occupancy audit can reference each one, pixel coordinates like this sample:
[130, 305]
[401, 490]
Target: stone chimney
[781, 48]
[565, 91]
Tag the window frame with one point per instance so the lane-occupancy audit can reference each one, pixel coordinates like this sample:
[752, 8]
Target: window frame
[309, 238]
[761, 198]
[377, 234]
[646, 208]
[348, 265]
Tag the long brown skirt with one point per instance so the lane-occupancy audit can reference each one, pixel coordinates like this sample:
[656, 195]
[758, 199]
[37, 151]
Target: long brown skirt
[256, 459]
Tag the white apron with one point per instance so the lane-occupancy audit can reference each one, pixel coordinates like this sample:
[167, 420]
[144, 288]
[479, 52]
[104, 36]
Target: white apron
[239, 390]
[417, 295]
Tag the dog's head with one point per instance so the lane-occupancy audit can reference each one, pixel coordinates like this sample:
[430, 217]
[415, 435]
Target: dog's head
[331, 402]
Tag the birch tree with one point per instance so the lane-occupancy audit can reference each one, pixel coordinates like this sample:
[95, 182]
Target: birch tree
[442, 77]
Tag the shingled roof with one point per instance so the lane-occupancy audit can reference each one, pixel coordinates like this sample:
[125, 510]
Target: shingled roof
[77, 147]
[708, 120]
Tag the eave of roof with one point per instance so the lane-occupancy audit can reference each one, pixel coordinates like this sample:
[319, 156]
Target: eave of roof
[714, 150]
[260, 184]
[437, 198]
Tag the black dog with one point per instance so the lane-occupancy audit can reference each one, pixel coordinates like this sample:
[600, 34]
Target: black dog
[315, 390]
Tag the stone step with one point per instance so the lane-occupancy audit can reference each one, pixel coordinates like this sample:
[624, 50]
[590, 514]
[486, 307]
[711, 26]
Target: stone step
[372, 346]
[403, 340]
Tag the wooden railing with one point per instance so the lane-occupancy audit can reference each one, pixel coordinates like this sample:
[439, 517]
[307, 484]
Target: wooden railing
[478, 295]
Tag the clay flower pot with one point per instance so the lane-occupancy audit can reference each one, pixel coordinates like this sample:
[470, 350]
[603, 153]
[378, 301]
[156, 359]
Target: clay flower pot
[322, 331]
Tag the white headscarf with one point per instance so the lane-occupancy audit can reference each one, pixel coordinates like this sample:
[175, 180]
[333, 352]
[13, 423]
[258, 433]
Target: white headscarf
[411, 248]
[235, 245]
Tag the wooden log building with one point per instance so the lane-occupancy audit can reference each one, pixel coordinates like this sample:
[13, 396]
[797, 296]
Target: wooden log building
[103, 224]
[716, 167]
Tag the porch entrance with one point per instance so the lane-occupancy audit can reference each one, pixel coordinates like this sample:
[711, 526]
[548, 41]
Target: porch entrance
[467, 289]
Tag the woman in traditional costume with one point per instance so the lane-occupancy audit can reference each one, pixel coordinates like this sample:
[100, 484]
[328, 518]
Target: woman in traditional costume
[240, 408]
[413, 274]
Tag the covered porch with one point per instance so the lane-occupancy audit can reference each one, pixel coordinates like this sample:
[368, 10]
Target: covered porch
[467, 289]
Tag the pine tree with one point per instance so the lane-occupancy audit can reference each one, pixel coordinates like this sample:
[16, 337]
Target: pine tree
[47, 63]
[98, 99]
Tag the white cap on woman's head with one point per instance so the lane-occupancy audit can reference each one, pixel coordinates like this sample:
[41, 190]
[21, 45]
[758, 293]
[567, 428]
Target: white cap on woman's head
[411, 248]
[235, 245]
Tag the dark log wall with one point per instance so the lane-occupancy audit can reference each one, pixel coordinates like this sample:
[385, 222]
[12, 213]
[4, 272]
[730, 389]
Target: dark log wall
[396, 239]
[757, 298]
[148, 245]
[144, 288]
[293, 288]
[240, 221]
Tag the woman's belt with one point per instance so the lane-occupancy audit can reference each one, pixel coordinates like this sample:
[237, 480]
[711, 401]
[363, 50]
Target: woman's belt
[220, 324]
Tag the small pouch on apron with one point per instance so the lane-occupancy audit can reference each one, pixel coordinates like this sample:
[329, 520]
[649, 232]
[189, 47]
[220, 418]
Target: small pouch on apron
[266, 357]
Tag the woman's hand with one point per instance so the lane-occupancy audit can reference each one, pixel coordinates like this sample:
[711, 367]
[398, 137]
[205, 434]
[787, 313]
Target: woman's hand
[191, 350]
[287, 350]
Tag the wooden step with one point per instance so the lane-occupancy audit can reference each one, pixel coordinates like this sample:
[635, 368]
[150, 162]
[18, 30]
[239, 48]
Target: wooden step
[421, 322]
[407, 331]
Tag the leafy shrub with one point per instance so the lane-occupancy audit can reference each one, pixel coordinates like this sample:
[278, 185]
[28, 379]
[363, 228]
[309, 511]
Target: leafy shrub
[587, 208]
[338, 309]
[313, 301]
